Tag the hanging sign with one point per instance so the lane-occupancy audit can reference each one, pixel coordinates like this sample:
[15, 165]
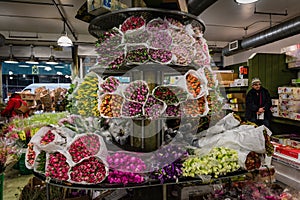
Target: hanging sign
[35, 69]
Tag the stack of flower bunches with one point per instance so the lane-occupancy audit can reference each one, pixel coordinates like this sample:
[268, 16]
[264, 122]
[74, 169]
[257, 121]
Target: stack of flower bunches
[125, 168]
[167, 163]
[110, 53]
[219, 161]
[85, 97]
[86, 153]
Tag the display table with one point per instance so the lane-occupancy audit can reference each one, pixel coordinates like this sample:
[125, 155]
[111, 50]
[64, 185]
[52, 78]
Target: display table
[231, 177]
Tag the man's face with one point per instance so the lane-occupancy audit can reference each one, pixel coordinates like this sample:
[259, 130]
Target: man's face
[256, 86]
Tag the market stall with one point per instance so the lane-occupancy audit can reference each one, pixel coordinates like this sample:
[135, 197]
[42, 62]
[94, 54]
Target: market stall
[163, 125]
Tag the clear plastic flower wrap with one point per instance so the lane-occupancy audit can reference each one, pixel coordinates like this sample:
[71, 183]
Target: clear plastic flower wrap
[114, 58]
[48, 138]
[170, 94]
[133, 23]
[30, 155]
[161, 56]
[109, 85]
[40, 162]
[194, 83]
[110, 105]
[202, 56]
[196, 107]
[160, 40]
[137, 91]
[111, 52]
[153, 107]
[183, 55]
[181, 37]
[91, 170]
[132, 109]
[212, 82]
[57, 165]
[84, 99]
[137, 53]
[136, 37]
[86, 145]
[173, 110]
[157, 24]
[174, 23]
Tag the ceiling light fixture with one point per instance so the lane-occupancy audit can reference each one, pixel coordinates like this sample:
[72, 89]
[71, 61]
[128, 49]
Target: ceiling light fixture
[64, 40]
[245, 1]
[32, 60]
[51, 60]
[11, 59]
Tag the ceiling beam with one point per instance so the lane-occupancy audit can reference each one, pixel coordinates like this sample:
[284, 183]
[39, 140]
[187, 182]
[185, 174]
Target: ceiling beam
[35, 3]
[65, 20]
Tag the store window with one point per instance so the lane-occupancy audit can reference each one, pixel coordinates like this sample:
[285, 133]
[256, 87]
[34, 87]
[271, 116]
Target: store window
[15, 77]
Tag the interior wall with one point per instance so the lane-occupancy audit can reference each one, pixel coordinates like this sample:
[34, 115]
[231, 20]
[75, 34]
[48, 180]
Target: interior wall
[274, 47]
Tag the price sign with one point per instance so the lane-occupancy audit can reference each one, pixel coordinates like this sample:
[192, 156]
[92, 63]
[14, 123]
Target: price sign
[243, 71]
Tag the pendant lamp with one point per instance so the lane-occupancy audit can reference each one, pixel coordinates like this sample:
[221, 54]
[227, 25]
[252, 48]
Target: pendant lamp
[52, 60]
[11, 59]
[32, 60]
[245, 1]
[64, 40]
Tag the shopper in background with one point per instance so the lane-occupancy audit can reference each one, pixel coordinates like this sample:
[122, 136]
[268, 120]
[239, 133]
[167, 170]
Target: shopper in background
[258, 104]
[15, 102]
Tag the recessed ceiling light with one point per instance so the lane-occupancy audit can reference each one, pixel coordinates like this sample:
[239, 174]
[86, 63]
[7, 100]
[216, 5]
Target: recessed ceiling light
[245, 1]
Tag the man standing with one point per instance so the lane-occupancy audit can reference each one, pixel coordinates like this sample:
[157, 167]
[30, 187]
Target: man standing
[258, 104]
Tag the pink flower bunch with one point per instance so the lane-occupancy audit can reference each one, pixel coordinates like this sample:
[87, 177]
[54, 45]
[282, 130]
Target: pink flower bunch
[57, 166]
[153, 107]
[160, 40]
[132, 109]
[91, 170]
[118, 61]
[137, 54]
[184, 56]
[84, 146]
[113, 58]
[157, 25]
[200, 55]
[125, 162]
[173, 111]
[110, 84]
[108, 35]
[136, 91]
[181, 38]
[124, 178]
[30, 154]
[132, 23]
[47, 138]
[160, 55]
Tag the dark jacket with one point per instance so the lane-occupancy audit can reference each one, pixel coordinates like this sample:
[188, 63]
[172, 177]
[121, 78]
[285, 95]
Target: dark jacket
[255, 100]
[12, 104]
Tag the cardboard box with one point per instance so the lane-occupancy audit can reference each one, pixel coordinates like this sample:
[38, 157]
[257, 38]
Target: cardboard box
[97, 7]
[227, 76]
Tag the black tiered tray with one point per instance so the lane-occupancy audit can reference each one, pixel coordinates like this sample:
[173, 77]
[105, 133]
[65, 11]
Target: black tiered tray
[113, 19]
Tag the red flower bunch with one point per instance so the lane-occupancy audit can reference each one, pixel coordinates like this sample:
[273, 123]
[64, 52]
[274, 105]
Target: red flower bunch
[84, 146]
[47, 138]
[57, 166]
[91, 170]
[132, 23]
